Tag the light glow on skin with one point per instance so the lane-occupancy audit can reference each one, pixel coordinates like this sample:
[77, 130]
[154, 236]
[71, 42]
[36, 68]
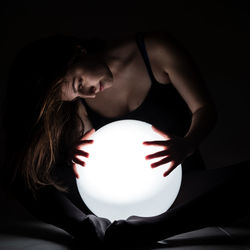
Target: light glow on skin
[117, 181]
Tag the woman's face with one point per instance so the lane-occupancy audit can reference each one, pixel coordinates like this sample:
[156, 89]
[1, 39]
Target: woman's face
[86, 80]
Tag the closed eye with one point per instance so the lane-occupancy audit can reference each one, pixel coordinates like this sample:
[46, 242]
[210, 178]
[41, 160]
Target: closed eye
[73, 85]
[80, 84]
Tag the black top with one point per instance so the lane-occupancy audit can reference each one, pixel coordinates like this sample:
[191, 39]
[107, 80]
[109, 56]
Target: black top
[163, 107]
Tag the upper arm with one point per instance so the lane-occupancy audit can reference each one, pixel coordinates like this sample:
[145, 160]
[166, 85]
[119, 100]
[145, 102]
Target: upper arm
[181, 69]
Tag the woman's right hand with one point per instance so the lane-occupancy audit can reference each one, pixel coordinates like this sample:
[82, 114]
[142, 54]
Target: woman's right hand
[77, 151]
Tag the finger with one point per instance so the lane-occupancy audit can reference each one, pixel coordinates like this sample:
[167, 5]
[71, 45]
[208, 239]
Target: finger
[82, 153]
[159, 143]
[166, 136]
[88, 134]
[161, 162]
[157, 154]
[78, 161]
[171, 168]
[75, 171]
[84, 142]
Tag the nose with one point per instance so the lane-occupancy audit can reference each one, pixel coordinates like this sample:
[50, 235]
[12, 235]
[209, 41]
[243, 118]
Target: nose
[93, 89]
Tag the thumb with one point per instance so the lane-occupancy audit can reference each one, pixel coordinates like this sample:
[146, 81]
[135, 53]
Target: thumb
[88, 134]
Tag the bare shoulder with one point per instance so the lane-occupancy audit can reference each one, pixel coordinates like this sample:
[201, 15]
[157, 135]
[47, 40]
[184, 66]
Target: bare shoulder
[162, 45]
[160, 40]
[156, 38]
[183, 72]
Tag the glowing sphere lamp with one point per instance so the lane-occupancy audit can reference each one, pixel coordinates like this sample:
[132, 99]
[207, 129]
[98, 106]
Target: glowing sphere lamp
[117, 181]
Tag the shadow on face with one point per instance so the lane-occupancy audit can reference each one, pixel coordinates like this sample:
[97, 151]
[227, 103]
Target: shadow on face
[86, 79]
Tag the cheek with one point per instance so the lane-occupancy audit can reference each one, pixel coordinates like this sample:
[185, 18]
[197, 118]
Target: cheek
[66, 93]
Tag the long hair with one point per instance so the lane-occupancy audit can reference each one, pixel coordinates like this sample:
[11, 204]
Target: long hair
[39, 127]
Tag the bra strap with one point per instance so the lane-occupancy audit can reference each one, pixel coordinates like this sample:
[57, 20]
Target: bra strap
[142, 48]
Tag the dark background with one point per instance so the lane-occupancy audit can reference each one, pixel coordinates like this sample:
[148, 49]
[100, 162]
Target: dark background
[216, 34]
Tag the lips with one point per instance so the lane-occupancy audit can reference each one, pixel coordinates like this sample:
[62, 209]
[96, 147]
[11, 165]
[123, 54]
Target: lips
[101, 86]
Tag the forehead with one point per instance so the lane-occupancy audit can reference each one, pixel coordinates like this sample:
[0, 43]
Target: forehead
[77, 70]
[67, 81]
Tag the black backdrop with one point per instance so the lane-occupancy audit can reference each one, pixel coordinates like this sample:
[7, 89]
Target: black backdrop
[215, 33]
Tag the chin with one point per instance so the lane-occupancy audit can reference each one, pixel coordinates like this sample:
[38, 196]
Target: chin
[91, 97]
[108, 84]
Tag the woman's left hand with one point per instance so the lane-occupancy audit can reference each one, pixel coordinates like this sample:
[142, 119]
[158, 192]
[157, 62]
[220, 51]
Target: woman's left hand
[175, 150]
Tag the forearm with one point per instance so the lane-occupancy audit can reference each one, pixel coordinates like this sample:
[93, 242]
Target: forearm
[203, 121]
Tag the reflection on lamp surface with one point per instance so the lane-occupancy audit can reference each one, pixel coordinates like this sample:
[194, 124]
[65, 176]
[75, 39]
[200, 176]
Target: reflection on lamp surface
[117, 181]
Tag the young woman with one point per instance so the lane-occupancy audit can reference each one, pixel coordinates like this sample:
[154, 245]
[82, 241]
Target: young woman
[146, 77]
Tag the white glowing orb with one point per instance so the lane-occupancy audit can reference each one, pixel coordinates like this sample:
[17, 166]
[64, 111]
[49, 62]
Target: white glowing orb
[117, 181]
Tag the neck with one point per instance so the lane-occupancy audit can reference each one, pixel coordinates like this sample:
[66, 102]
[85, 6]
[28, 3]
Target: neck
[118, 54]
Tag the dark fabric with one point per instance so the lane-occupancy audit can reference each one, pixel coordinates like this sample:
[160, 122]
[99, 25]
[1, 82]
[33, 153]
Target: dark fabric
[218, 197]
[163, 107]
[63, 209]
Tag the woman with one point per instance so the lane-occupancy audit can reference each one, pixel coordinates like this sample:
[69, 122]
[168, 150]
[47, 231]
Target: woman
[145, 77]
